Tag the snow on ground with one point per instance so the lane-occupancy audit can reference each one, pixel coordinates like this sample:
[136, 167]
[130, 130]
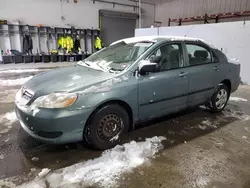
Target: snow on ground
[237, 99]
[20, 70]
[19, 81]
[44, 172]
[207, 124]
[8, 96]
[6, 120]
[5, 184]
[236, 114]
[228, 112]
[103, 171]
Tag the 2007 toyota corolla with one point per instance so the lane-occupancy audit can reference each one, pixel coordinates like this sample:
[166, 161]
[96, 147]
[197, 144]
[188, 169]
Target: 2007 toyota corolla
[132, 80]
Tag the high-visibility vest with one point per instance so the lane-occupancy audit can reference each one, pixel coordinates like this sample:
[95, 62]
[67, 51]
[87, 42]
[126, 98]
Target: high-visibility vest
[98, 43]
[61, 42]
[69, 43]
[66, 42]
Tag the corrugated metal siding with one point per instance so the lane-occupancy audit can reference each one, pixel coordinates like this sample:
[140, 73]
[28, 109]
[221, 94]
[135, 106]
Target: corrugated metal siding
[188, 8]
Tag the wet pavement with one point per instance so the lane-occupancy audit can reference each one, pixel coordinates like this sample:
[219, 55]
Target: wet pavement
[202, 149]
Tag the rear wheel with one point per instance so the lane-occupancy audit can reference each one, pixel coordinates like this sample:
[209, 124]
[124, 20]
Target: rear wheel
[106, 126]
[219, 99]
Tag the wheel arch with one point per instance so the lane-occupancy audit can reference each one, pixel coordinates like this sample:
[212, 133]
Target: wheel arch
[121, 103]
[228, 83]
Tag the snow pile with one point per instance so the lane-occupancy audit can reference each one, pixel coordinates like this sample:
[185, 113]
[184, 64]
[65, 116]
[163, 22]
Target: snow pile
[103, 171]
[19, 81]
[19, 71]
[237, 99]
[44, 172]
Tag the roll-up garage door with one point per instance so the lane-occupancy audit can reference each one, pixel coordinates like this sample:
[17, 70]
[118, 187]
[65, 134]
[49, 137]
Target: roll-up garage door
[116, 25]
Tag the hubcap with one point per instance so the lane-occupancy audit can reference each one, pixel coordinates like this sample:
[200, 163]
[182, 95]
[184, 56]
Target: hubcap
[221, 99]
[109, 126]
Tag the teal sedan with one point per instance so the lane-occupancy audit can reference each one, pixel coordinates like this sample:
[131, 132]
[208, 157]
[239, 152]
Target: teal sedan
[137, 79]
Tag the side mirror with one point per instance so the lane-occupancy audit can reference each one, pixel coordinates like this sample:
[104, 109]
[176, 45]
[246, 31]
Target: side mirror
[146, 66]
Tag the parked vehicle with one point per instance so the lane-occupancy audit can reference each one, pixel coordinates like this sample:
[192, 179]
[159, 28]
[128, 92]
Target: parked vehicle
[132, 80]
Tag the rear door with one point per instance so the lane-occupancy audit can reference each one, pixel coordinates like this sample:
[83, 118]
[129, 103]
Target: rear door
[164, 91]
[204, 72]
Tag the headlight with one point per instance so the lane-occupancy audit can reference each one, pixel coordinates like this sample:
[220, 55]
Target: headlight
[55, 100]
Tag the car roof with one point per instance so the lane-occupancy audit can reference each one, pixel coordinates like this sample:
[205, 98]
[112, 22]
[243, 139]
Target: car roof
[160, 38]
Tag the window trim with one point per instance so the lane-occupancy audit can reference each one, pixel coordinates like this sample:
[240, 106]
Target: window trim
[180, 44]
[185, 43]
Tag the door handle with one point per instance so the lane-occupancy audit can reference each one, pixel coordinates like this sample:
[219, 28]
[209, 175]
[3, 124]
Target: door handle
[216, 68]
[182, 74]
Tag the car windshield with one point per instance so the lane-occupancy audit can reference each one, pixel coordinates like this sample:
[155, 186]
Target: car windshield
[117, 57]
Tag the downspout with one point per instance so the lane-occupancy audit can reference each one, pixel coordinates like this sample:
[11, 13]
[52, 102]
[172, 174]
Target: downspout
[154, 13]
[140, 14]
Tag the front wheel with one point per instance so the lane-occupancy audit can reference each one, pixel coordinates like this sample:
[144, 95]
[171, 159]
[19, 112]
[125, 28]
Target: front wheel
[106, 126]
[220, 98]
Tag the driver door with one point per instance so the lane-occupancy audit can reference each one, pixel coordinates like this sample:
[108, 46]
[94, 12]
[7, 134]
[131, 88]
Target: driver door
[164, 91]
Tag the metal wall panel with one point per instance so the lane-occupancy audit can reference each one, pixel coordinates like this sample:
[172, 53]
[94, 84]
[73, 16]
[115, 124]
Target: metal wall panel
[116, 25]
[189, 8]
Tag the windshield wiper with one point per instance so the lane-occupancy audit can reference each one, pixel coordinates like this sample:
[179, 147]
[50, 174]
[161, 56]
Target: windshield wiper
[83, 63]
[114, 70]
[87, 64]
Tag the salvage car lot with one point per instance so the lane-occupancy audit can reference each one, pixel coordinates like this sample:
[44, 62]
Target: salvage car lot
[201, 149]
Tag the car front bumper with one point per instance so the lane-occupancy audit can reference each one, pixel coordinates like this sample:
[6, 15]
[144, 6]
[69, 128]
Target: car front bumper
[54, 126]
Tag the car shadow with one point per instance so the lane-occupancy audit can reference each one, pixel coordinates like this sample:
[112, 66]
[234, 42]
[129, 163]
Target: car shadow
[184, 126]
[177, 128]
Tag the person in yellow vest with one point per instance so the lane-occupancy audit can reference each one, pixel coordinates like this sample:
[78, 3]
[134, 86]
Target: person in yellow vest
[69, 44]
[98, 43]
[66, 43]
[61, 42]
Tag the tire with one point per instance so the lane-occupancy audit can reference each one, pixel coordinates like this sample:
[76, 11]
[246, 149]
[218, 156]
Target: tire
[219, 99]
[106, 127]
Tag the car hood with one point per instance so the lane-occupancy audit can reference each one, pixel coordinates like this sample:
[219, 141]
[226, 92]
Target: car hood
[68, 79]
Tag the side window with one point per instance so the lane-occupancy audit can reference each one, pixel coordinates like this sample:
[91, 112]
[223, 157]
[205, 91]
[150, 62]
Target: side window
[168, 57]
[198, 55]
